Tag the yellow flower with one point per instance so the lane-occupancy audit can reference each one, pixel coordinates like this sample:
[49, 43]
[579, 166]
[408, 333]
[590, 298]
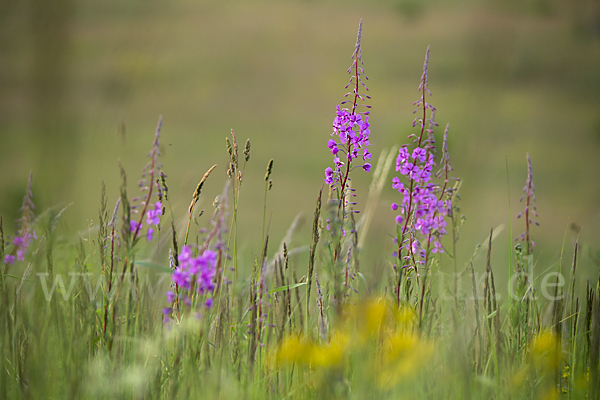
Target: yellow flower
[519, 378]
[293, 350]
[544, 350]
[298, 350]
[405, 317]
[549, 394]
[331, 354]
[404, 355]
[368, 317]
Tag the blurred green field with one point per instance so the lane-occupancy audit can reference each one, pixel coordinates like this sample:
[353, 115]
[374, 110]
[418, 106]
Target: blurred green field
[82, 88]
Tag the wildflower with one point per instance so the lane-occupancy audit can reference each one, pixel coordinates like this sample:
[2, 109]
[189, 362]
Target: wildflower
[331, 354]
[153, 216]
[424, 204]
[529, 196]
[295, 349]
[405, 353]
[153, 212]
[134, 226]
[194, 275]
[370, 316]
[170, 296]
[544, 350]
[351, 130]
[328, 176]
[25, 235]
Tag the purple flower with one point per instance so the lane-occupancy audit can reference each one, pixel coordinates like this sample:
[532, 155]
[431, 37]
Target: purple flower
[332, 146]
[185, 255]
[419, 154]
[198, 270]
[153, 216]
[437, 247]
[402, 157]
[181, 278]
[21, 243]
[409, 169]
[133, 226]
[328, 175]
[170, 296]
[398, 185]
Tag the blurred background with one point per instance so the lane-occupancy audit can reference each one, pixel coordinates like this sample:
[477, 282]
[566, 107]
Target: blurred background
[82, 84]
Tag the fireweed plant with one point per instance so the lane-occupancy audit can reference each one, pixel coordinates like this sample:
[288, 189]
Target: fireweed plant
[152, 211]
[529, 197]
[193, 274]
[523, 287]
[73, 325]
[349, 147]
[197, 270]
[23, 238]
[350, 132]
[425, 205]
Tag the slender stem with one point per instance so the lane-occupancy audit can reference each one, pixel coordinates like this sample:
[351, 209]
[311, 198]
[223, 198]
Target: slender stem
[112, 263]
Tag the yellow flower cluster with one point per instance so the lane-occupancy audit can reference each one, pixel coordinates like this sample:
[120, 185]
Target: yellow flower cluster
[298, 350]
[544, 350]
[383, 336]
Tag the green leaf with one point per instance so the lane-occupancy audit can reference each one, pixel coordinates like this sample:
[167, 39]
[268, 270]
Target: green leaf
[17, 277]
[279, 289]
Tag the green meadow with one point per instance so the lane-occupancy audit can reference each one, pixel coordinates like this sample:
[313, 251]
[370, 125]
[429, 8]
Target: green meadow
[272, 286]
